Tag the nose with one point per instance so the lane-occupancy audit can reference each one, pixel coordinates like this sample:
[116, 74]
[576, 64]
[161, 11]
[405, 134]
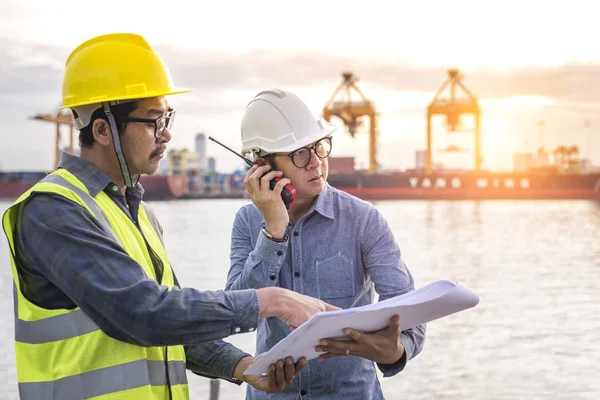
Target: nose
[165, 137]
[315, 161]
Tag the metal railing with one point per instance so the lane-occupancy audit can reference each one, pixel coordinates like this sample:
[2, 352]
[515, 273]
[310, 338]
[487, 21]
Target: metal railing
[214, 389]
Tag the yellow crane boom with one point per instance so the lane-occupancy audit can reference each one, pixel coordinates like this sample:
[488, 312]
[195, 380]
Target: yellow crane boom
[350, 112]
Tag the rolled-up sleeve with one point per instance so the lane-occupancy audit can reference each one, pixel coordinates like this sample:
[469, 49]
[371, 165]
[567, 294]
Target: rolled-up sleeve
[216, 359]
[94, 271]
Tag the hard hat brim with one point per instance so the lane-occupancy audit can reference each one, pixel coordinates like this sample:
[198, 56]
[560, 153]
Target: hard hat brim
[145, 95]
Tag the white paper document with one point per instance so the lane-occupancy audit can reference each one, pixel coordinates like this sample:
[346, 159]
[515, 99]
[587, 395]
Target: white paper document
[431, 302]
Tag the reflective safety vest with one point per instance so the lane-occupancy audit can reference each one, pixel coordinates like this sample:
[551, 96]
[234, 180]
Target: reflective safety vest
[62, 354]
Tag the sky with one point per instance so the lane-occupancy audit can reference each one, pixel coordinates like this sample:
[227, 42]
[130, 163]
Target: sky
[525, 61]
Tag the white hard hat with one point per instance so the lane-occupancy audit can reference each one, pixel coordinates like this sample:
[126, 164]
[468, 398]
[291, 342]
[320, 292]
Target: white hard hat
[278, 121]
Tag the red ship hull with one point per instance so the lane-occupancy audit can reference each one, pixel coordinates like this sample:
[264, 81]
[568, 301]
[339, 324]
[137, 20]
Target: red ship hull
[157, 187]
[12, 190]
[163, 187]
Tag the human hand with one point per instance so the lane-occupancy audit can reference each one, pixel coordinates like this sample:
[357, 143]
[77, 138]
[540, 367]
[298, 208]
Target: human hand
[268, 201]
[383, 347]
[280, 374]
[290, 307]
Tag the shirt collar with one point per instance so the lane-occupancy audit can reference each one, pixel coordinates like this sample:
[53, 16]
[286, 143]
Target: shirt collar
[323, 205]
[94, 180]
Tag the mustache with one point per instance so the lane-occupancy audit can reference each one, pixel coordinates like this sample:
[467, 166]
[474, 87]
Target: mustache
[158, 151]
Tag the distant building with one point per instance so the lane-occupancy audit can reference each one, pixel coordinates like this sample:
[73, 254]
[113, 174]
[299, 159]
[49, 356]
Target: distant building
[421, 163]
[182, 162]
[201, 150]
[523, 161]
[212, 164]
[185, 162]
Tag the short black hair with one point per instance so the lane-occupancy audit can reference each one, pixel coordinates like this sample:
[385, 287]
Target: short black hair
[270, 159]
[86, 136]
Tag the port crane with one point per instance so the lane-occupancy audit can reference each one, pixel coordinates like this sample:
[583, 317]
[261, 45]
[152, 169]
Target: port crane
[452, 108]
[351, 111]
[59, 118]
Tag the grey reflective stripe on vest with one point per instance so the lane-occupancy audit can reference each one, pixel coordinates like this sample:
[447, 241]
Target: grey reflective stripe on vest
[74, 323]
[92, 205]
[87, 199]
[105, 380]
[58, 327]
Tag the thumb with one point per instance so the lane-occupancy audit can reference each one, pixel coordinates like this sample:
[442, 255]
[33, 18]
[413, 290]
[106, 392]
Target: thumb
[394, 326]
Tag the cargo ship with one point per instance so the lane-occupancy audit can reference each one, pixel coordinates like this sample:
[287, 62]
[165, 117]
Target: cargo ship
[548, 182]
[405, 185]
[468, 186]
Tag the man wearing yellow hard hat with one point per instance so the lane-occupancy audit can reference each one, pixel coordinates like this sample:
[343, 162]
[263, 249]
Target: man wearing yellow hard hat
[98, 310]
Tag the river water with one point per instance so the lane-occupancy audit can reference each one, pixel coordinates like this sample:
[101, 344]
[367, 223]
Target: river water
[535, 265]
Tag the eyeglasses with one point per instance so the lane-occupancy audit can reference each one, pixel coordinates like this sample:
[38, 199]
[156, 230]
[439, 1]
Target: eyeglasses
[301, 157]
[160, 124]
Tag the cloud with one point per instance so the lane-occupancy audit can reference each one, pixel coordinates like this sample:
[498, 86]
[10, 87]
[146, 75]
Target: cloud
[254, 69]
[262, 68]
[31, 70]
[572, 82]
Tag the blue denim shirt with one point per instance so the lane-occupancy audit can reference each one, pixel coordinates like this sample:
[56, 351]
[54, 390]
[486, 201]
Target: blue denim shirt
[67, 260]
[341, 251]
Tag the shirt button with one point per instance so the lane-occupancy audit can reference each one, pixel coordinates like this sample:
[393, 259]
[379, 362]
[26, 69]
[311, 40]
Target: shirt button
[297, 274]
[303, 392]
[115, 188]
[272, 277]
[250, 329]
[238, 329]
[296, 233]
[279, 252]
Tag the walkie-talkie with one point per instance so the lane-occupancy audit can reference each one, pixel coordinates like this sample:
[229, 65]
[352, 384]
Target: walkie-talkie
[288, 194]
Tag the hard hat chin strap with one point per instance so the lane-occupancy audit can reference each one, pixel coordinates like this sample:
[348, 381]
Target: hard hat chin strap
[118, 148]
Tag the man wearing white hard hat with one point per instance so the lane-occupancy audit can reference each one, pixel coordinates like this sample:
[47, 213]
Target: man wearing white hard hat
[328, 245]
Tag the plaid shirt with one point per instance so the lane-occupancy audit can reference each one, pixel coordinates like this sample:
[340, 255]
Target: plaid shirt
[68, 261]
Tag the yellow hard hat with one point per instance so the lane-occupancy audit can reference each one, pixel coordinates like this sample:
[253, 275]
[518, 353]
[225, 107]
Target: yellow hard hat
[120, 66]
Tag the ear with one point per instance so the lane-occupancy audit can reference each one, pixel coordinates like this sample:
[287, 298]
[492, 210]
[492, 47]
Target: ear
[260, 161]
[101, 132]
